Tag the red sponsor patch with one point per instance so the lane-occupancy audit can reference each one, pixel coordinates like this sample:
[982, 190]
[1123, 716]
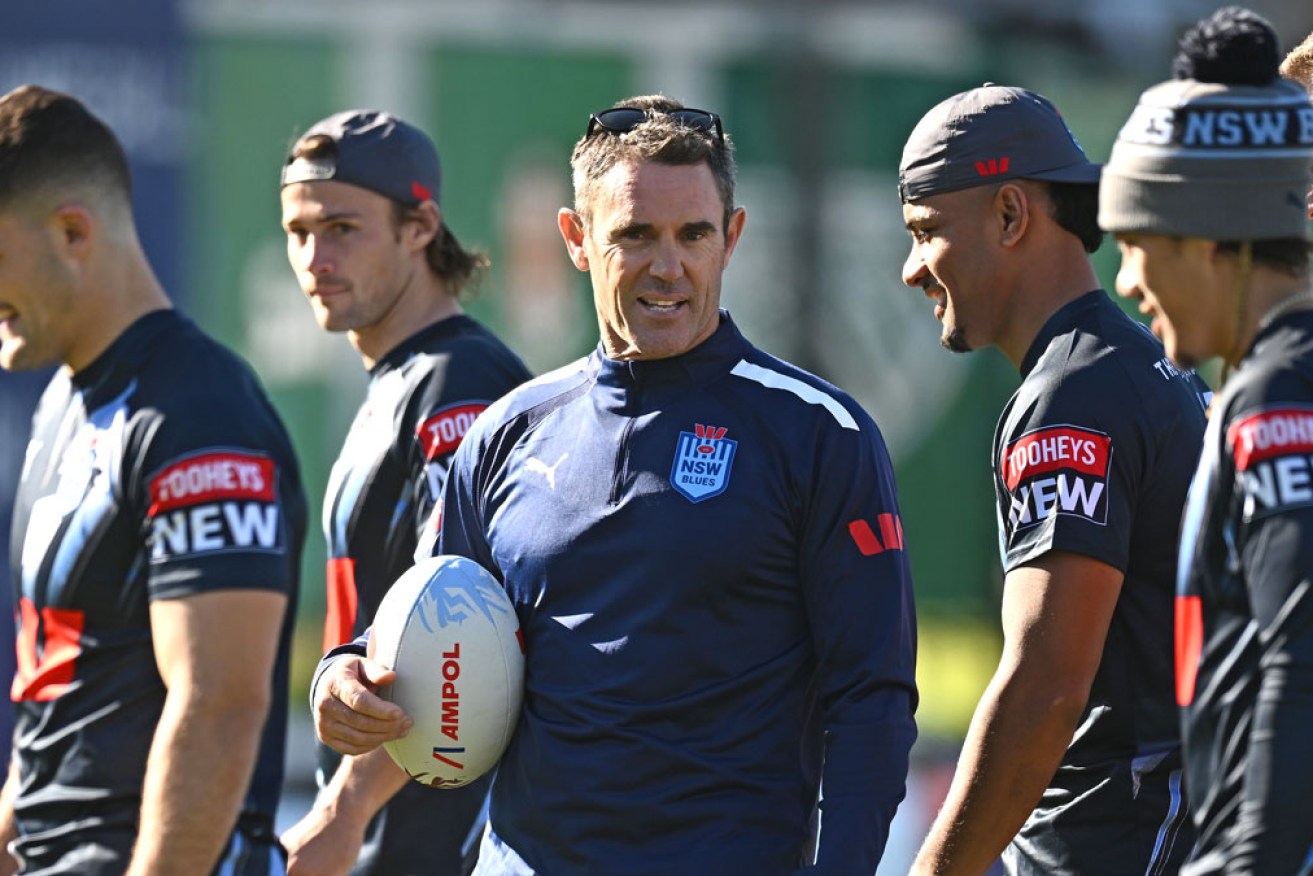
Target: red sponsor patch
[889, 539]
[442, 432]
[210, 476]
[58, 631]
[1058, 448]
[1189, 645]
[1278, 432]
[340, 621]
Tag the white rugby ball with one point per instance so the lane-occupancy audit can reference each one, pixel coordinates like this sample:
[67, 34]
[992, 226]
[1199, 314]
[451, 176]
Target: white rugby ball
[449, 631]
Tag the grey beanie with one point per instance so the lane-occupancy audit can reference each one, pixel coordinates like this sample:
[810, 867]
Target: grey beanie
[1210, 160]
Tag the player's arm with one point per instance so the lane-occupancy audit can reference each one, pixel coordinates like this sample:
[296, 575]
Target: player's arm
[860, 609]
[215, 652]
[1056, 613]
[1274, 828]
[353, 720]
[327, 841]
[8, 827]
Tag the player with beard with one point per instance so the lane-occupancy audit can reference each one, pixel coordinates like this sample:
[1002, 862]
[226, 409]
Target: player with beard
[1072, 761]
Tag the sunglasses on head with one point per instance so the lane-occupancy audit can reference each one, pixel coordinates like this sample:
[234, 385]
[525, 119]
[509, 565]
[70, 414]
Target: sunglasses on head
[621, 120]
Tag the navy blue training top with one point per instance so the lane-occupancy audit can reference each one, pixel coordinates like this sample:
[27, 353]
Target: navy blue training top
[708, 563]
[707, 560]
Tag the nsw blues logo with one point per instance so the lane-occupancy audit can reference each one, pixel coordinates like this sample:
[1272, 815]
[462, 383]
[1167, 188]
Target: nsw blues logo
[702, 462]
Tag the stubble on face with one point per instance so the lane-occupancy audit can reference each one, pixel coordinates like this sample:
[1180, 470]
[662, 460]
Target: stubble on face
[955, 340]
[947, 239]
[656, 245]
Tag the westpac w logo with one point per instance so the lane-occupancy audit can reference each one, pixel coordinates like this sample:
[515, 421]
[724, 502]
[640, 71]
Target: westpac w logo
[992, 167]
[702, 462]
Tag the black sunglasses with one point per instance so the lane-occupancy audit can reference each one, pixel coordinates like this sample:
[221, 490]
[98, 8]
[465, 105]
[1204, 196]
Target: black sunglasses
[621, 120]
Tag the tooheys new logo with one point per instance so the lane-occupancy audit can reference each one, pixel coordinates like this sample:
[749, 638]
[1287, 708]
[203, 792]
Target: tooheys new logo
[215, 500]
[1272, 459]
[440, 435]
[1057, 470]
[442, 432]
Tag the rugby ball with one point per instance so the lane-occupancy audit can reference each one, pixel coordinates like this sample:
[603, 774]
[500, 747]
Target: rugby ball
[449, 631]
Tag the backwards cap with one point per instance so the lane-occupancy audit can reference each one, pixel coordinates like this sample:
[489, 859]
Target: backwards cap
[376, 151]
[1224, 151]
[986, 135]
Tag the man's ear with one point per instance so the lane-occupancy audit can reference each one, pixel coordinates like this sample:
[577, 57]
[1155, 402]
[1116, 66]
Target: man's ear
[74, 227]
[1012, 207]
[733, 232]
[421, 225]
[574, 231]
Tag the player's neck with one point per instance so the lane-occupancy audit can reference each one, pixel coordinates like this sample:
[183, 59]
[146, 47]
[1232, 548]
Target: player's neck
[1042, 289]
[121, 288]
[1272, 294]
[426, 302]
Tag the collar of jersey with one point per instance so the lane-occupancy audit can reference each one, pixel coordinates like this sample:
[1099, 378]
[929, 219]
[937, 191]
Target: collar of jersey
[419, 341]
[704, 363]
[128, 350]
[1063, 319]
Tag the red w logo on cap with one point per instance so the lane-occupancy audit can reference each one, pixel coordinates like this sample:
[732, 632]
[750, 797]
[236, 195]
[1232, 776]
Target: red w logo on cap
[993, 167]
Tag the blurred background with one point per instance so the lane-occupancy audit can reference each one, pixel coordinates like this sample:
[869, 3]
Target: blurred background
[819, 96]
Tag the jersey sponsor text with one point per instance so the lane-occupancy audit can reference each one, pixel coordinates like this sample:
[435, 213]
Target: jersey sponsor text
[209, 476]
[216, 527]
[442, 433]
[1064, 447]
[1057, 470]
[214, 501]
[1273, 452]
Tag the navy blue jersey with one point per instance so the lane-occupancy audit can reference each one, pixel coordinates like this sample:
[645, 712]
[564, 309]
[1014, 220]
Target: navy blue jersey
[708, 564]
[1093, 455]
[160, 471]
[423, 396]
[1245, 614]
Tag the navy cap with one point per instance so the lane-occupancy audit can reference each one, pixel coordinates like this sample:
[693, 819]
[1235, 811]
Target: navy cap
[376, 151]
[987, 135]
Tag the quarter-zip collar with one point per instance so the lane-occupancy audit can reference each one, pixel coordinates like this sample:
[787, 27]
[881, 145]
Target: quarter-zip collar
[699, 366]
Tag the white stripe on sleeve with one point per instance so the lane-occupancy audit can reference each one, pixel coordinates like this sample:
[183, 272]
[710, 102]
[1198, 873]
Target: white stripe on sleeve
[812, 396]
